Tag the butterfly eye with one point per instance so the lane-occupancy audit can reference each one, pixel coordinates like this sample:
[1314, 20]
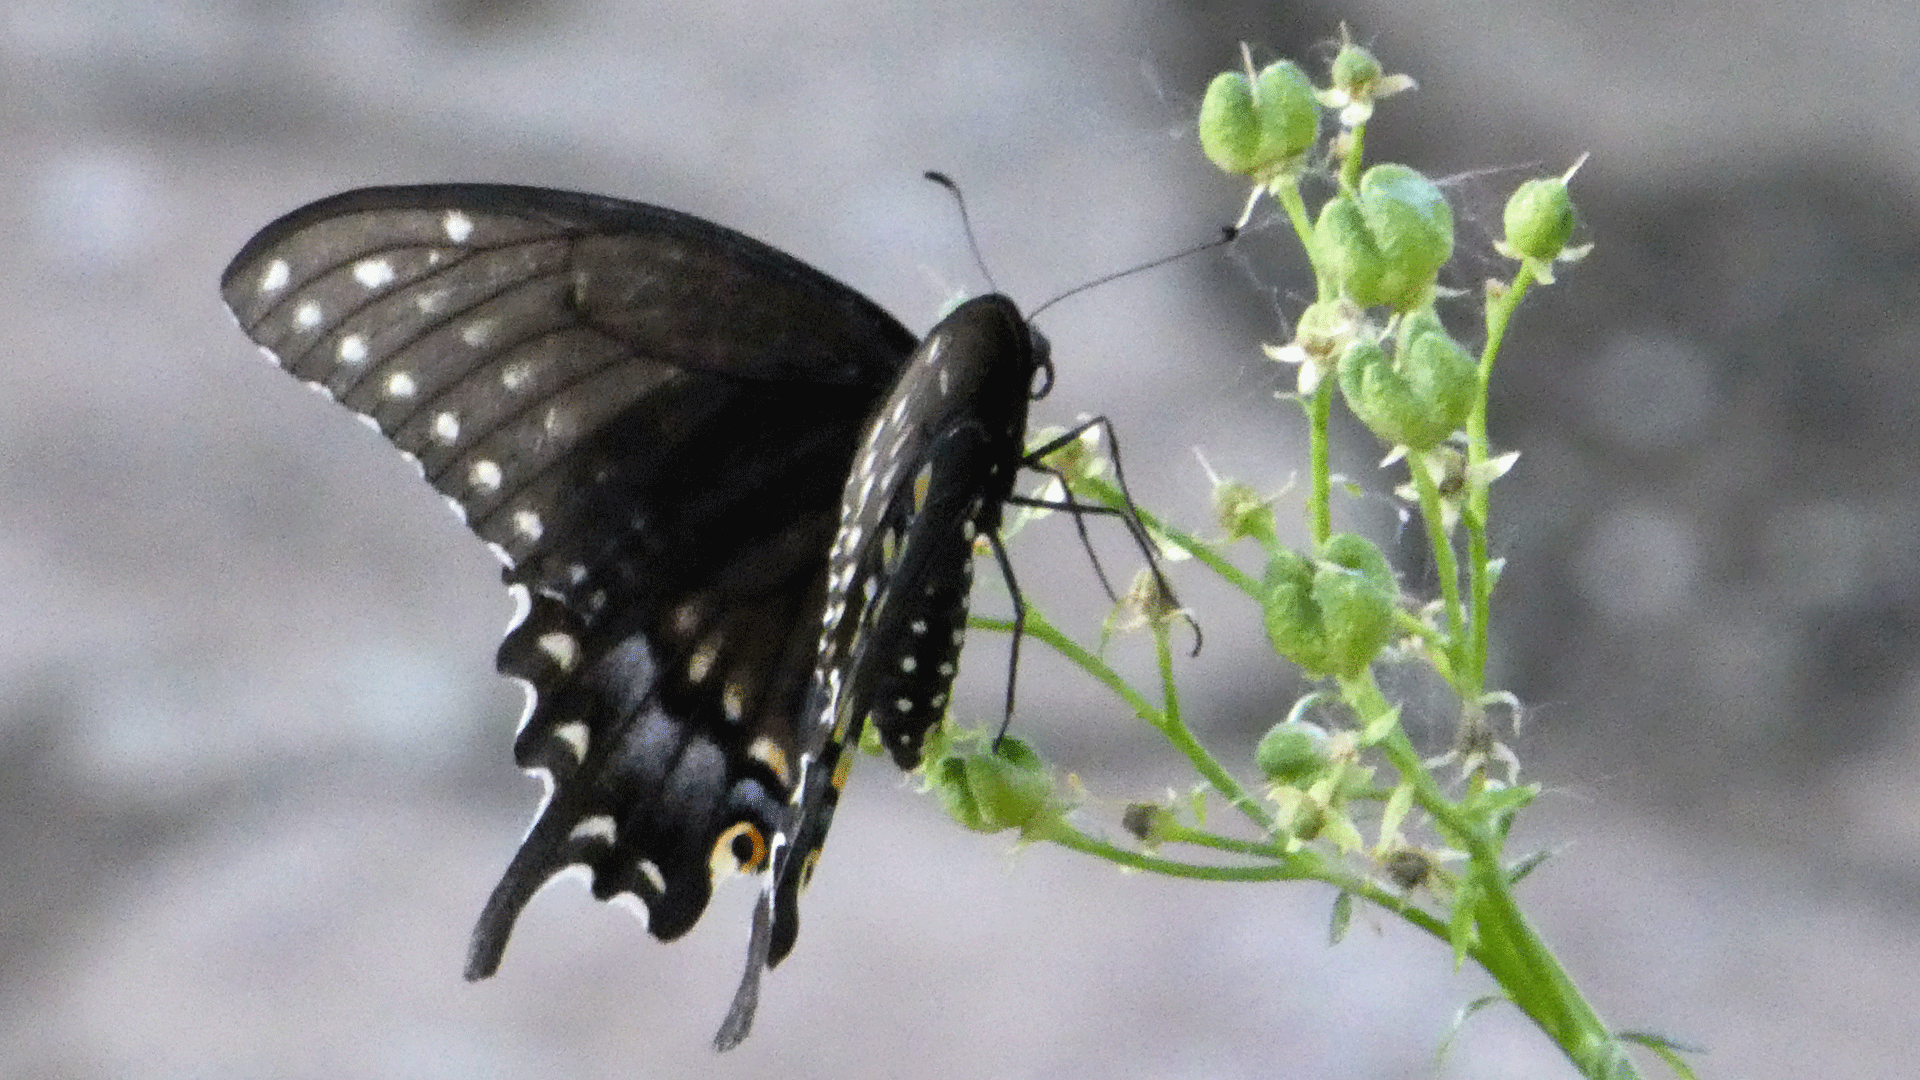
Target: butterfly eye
[742, 849]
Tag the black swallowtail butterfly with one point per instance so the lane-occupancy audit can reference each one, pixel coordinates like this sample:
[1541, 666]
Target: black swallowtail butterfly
[735, 499]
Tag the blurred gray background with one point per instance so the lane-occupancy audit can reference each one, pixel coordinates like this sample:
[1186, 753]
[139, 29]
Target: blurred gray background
[254, 770]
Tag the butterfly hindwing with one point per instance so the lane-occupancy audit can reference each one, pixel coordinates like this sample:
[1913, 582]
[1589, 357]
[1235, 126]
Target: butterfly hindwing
[650, 419]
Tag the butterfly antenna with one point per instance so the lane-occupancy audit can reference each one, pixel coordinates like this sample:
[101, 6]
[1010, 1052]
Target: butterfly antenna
[966, 224]
[1228, 234]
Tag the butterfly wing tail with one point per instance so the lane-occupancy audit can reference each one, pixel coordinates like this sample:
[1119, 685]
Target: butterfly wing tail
[542, 855]
[746, 1000]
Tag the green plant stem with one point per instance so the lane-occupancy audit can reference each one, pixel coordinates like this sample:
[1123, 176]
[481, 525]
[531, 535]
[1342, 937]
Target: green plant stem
[1350, 165]
[1500, 309]
[1320, 499]
[1286, 191]
[1506, 945]
[1170, 728]
[1173, 832]
[1302, 865]
[1069, 837]
[1444, 565]
[1413, 626]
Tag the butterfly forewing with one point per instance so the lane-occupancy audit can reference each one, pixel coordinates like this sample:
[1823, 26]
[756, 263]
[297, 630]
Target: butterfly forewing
[934, 469]
[650, 419]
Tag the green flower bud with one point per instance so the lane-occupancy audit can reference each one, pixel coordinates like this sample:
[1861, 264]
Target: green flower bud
[1332, 616]
[1354, 69]
[1386, 243]
[1242, 511]
[1007, 788]
[1326, 327]
[1292, 752]
[1539, 218]
[1355, 588]
[1417, 398]
[1259, 128]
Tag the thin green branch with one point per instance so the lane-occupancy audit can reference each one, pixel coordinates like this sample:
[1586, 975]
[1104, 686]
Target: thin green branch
[1504, 944]
[1173, 832]
[1320, 499]
[1302, 865]
[1445, 567]
[1500, 308]
[1350, 165]
[1175, 732]
[1154, 864]
[1287, 193]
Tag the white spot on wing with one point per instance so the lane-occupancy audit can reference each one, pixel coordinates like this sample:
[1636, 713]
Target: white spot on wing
[401, 385]
[446, 427]
[429, 302]
[352, 349]
[577, 738]
[908, 664]
[373, 273]
[307, 315]
[686, 618]
[700, 664]
[277, 275]
[561, 648]
[765, 751]
[477, 332]
[528, 524]
[515, 376]
[458, 226]
[484, 474]
[652, 873]
[598, 827]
